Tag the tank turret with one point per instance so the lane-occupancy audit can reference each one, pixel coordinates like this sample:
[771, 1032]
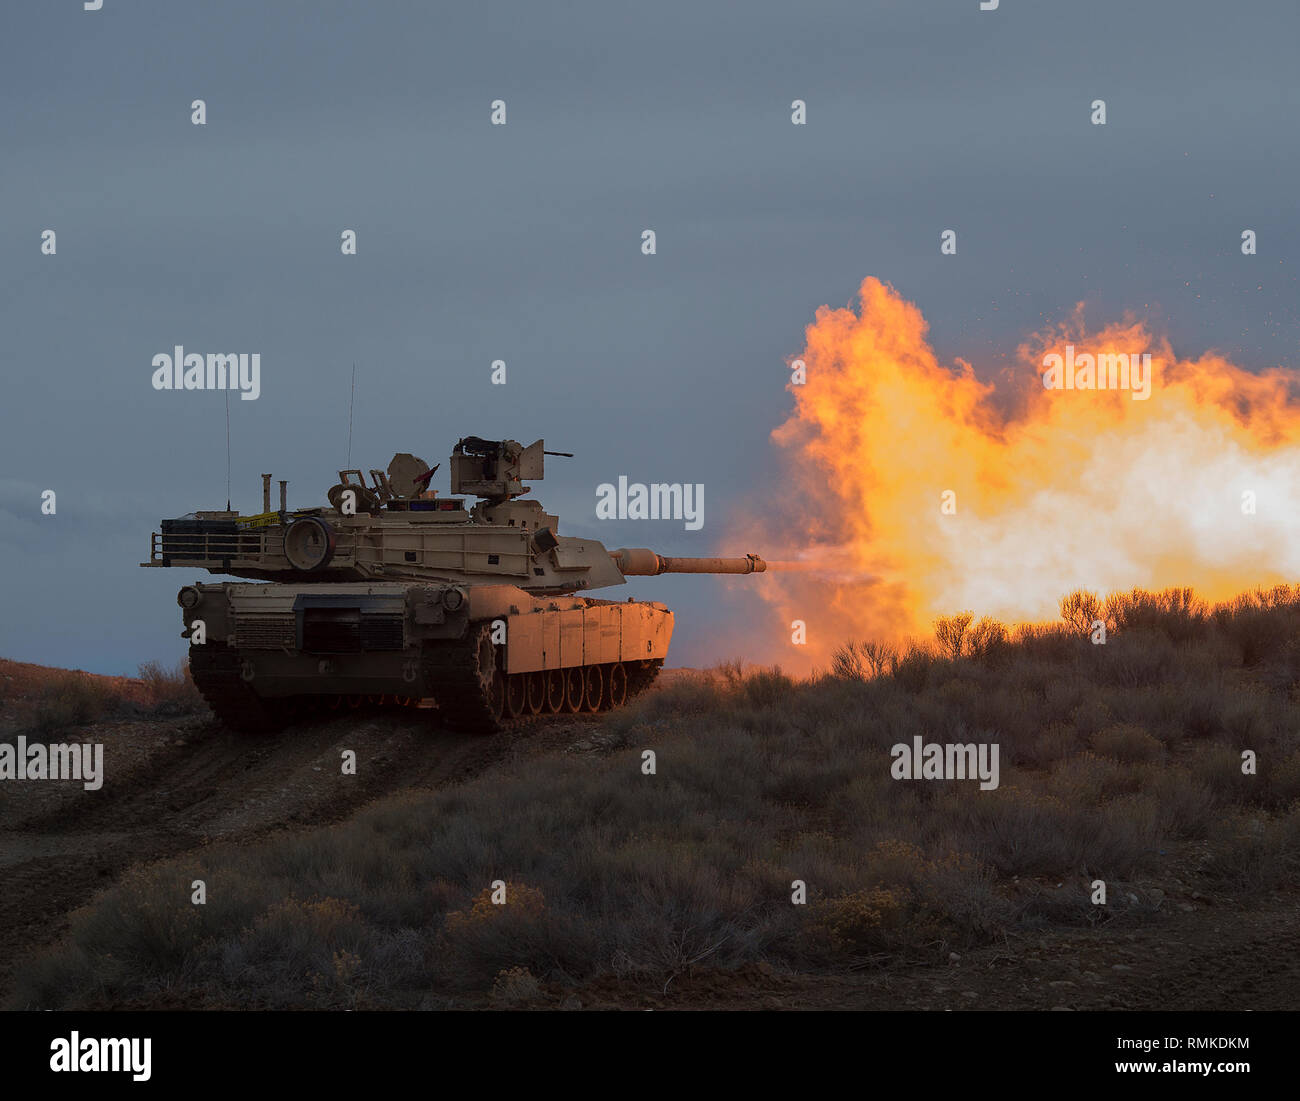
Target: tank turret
[390, 593]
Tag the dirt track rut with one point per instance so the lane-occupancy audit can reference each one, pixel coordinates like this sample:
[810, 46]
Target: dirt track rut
[171, 786]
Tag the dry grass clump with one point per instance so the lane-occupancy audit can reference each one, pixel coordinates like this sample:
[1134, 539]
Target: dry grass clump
[170, 690]
[72, 699]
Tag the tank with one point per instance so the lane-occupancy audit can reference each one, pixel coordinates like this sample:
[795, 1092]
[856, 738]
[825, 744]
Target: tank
[390, 595]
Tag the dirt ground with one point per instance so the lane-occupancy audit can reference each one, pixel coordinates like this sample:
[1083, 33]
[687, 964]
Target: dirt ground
[177, 784]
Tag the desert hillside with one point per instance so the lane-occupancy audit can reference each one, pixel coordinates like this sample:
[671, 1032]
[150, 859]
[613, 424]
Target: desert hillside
[1123, 763]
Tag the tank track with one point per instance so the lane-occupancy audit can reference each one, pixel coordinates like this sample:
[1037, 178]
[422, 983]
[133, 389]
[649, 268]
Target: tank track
[215, 669]
[455, 677]
[638, 680]
[464, 677]
[465, 686]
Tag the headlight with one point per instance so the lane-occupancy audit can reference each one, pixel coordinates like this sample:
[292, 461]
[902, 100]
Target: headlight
[188, 597]
[452, 599]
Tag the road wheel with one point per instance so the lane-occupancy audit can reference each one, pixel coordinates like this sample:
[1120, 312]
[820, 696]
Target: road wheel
[617, 687]
[517, 695]
[536, 693]
[595, 693]
[575, 686]
[554, 691]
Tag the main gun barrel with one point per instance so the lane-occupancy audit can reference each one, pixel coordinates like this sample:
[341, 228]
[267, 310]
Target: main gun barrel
[638, 561]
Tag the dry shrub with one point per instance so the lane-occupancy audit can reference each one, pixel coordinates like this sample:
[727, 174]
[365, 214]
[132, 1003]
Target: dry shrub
[295, 927]
[73, 699]
[1023, 832]
[1283, 781]
[988, 639]
[515, 986]
[1177, 613]
[1056, 742]
[1218, 767]
[950, 633]
[862, 660]
[1087, 780]
[1252, 852]
[730, 674]
[1090, 716]
[866, 922]
[1186, 804]
[442, 895]
[171, 690]
[1139, 658]
[520, 900]
[1047, 642]
[894, 863]
[1260, 623]
[767, 688]
[1196, 708]
[1246, 721]
[1127, 743]
[1080, 610]
[342, 985]
[849, 662]
[912, 670]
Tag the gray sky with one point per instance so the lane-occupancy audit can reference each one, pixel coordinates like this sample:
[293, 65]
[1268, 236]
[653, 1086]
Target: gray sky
[522, 243]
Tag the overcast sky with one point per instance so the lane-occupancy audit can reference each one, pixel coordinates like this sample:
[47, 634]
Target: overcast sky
[523, 243]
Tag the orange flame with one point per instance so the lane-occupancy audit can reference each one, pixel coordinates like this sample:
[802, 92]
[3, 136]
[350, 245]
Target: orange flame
[1050, 490]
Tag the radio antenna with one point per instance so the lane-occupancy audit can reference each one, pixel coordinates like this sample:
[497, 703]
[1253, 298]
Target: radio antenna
[351, 405]
[227, 449]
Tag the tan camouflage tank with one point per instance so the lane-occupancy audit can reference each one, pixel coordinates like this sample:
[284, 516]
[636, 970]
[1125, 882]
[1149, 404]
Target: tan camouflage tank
[392, 595]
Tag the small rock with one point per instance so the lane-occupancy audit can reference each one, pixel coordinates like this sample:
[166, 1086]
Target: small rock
[969, 994]
[1060, 983]
[1120, 967]
[1187, 908]
[1062, 1009]
[953, 957]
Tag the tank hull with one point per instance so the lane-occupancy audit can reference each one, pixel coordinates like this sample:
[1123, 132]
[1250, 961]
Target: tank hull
[483, 656]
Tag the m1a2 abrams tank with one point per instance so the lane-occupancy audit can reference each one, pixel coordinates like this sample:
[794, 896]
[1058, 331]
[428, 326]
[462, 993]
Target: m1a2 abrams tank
[392, 594]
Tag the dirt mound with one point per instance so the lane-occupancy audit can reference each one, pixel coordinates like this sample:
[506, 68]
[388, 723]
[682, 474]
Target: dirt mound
[22, 681]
